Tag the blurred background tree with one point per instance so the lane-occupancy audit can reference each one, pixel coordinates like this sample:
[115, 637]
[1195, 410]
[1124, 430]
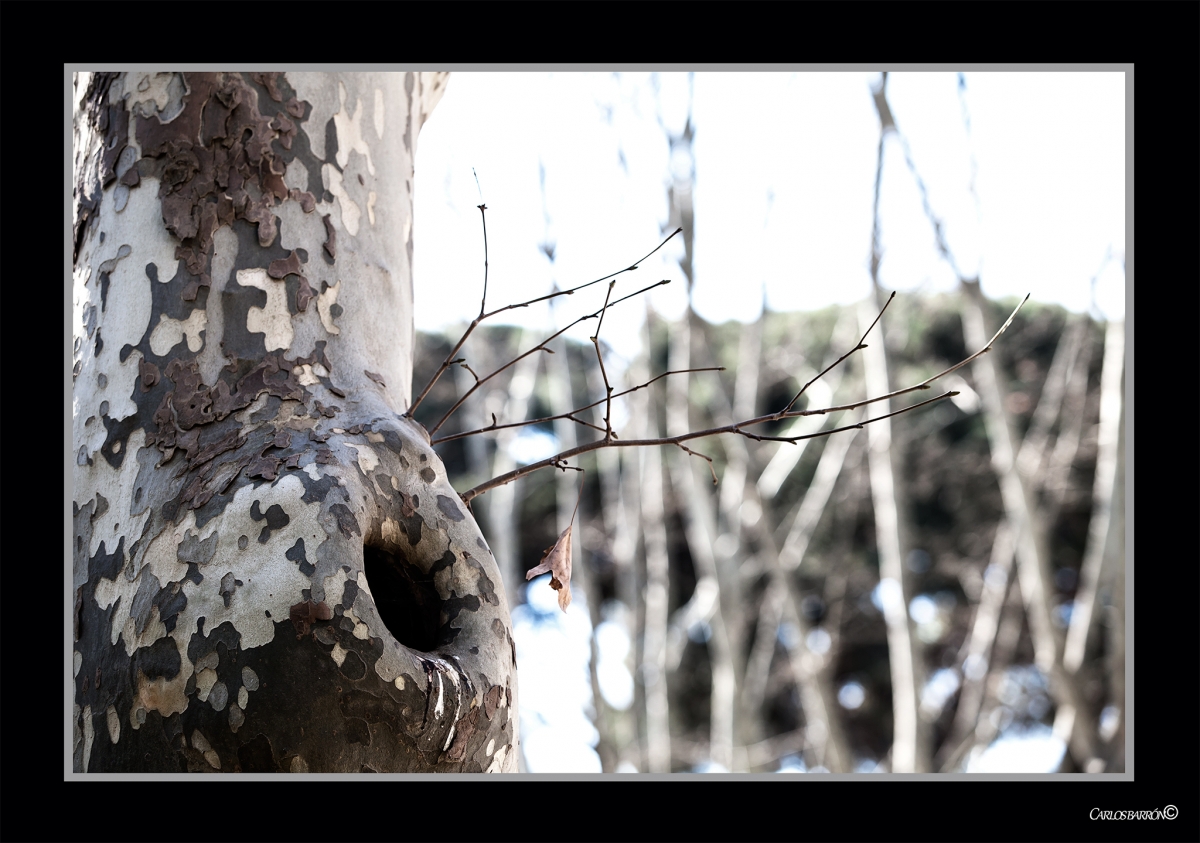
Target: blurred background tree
[941, 591]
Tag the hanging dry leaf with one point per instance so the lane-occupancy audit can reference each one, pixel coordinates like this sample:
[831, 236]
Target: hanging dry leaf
[556, 561]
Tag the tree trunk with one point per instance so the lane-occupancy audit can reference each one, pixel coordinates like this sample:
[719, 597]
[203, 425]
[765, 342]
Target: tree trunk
[271, 570]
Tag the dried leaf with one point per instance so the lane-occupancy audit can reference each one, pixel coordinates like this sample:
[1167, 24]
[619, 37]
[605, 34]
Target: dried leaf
[556, 561]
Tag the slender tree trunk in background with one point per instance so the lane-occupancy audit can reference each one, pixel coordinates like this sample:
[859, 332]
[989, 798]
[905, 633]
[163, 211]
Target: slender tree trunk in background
[911, 738]
[271, 570]
[1073, 724]
[655, 599]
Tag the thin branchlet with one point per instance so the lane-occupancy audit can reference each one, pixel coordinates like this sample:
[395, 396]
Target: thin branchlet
[560, 460]
[450, 358]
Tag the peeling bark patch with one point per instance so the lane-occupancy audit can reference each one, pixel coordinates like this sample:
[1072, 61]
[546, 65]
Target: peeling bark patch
[304, 614]
[148, 375]
[216, 163]
[491, 700]
[281, 269]
[275, 517]
[464, 731]
[377, 378]
[450, 508]
[428, 475]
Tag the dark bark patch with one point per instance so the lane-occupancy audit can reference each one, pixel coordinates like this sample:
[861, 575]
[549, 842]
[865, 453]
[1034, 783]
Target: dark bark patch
[346, 522]
[377, 378]
[428, 475]
[315, 491]
[447, 560]
[275, 517]
[107, 565]
[330, 244]
[349, 593]
[114, 449]
[269, 409]
[170, 602]
[77, 612]
[353, 667]
[484, 584]
[158, 659]
[357, 731]
[296, 554]
[450, 508]
[451, 607]
[143, 600]
[411, 525]
[229, 585]
[256, 756]
[331, 144]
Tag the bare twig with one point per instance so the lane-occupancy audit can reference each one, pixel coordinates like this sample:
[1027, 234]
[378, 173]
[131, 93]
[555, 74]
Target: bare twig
[570, 415]
[495, 482]
[540, 346]
[475, 322]
[737, 427]
[483, 302]
[608, 431]
[826, 370]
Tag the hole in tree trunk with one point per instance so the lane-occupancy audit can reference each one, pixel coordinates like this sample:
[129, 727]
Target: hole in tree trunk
[406, 599]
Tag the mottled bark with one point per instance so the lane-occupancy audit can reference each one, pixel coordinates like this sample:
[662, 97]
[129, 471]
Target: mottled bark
[271, 570]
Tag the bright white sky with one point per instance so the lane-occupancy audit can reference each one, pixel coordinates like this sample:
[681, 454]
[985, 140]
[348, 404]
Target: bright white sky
[784, 166]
